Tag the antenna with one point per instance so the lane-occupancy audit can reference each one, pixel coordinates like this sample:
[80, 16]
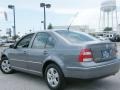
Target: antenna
[76, 14]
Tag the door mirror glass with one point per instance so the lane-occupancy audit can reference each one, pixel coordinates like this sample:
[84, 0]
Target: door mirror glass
[11, 46]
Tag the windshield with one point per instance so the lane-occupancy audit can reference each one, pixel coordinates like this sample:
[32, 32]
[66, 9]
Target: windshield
[76, 37]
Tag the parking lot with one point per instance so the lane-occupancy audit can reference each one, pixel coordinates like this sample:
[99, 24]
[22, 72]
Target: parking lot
[23, 81]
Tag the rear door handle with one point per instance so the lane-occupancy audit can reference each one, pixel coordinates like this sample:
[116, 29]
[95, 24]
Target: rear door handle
[45, 52]
[25, 52]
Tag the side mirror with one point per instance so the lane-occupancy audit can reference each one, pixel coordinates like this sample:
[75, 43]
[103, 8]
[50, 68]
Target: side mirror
[11, 46]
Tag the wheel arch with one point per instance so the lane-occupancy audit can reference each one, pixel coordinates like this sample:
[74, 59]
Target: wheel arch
[3, 56]
[48, 62]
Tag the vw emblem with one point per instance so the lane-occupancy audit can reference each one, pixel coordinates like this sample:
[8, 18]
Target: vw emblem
[106, 54]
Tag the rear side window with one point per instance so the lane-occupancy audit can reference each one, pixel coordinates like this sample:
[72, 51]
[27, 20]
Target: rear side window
[50, 42]
[75, 37]
[43, 40]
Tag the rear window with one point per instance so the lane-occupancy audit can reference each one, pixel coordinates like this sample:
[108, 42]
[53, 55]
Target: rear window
[76, 37]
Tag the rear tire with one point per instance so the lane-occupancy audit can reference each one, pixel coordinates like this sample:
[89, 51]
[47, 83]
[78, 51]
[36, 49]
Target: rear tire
[54, 77]
[5, 66]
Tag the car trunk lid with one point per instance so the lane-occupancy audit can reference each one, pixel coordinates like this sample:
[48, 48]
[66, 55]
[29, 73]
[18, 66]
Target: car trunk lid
[102, 51]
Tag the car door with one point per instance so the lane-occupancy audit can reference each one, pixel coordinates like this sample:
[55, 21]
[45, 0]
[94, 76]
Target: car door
[18, 55]
[38, 51]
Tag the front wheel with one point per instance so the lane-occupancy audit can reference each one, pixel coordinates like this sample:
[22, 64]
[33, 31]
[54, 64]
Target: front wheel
[5, 66]
[54, 77]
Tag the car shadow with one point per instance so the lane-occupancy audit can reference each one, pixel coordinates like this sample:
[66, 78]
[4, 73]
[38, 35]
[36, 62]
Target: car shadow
[108, 83]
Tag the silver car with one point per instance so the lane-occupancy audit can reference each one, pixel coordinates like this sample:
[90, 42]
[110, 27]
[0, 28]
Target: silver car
[60, 54]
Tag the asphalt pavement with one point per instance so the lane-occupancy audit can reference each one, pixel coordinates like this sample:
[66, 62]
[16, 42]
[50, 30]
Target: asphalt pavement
[23, 81]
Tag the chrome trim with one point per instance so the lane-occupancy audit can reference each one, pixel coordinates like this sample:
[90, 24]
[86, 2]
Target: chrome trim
[26, 61]
[96, 66]
[27, 69]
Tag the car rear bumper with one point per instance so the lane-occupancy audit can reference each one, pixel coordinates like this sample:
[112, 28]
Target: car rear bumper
[93, 72]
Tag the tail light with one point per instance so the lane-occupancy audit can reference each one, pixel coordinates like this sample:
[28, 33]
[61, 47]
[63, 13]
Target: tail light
[85, 55]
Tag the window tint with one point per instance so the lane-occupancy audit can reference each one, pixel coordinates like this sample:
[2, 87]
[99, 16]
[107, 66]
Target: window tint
[50, 42]
[43, 40]
[25, 41]
[75, 37]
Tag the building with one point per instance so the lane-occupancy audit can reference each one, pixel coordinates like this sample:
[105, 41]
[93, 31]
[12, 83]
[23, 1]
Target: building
[82, 28]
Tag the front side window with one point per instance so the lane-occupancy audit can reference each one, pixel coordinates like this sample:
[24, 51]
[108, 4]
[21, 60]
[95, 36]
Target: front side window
[24, 43]
[43, 40]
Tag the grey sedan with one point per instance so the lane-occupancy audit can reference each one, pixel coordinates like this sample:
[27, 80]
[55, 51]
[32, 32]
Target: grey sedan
[60, 54]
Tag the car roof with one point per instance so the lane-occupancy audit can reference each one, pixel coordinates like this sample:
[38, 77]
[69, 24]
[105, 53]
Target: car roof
[54, 30]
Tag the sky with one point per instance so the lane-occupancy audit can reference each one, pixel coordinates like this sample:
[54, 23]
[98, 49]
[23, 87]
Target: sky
[29, 14]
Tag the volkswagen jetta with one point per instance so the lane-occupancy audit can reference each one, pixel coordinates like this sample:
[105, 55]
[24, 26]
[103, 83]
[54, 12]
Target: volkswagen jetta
[61, 54]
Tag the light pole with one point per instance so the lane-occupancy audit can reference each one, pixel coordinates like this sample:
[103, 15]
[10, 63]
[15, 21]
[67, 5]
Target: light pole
[14, 27]
[45, 6]
[0, 34]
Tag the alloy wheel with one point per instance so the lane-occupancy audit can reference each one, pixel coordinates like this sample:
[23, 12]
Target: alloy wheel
[5, 65]
[52, 77]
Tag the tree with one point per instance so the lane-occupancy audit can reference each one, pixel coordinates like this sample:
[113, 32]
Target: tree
[4, 37]
[15, 37]
[108, 29]
[50, 26]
